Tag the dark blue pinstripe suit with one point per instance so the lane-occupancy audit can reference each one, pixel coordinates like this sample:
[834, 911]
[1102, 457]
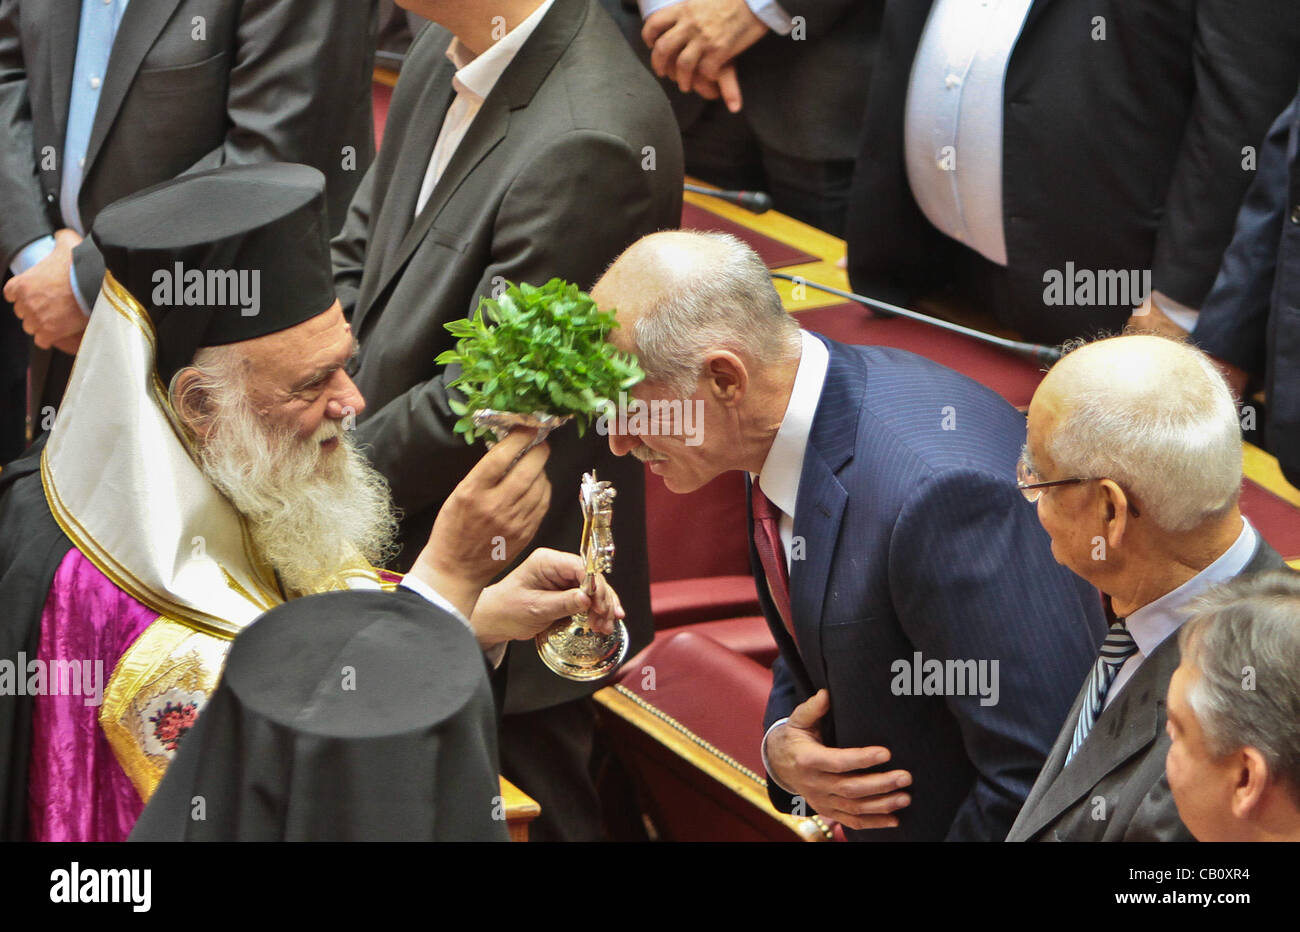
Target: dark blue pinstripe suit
[916, 539]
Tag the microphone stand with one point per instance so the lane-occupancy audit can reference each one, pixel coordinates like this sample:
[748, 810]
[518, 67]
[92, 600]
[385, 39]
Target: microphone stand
[1045, 355]
[756, 202]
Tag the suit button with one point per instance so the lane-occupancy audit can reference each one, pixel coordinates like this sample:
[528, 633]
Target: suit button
[49, 197]
[1295, 214]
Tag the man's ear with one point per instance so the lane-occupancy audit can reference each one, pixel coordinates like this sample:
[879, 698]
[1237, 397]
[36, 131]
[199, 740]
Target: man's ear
[726, 376]
[1113, 504]
[192, 402]
[1252, 782]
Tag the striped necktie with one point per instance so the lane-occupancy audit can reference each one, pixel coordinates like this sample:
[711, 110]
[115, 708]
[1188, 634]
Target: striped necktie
[1118, 647]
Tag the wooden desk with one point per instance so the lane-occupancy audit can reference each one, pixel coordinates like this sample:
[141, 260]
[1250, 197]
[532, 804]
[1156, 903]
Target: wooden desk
[521, 809]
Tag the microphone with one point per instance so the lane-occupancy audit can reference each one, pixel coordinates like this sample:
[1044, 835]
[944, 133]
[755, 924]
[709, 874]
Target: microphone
[756, 202]
[1044, 355]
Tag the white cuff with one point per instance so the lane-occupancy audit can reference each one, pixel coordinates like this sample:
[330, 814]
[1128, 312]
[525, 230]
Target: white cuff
[1176, 311]
[763, 751]
[772, 15]
[31, 254]
[654, 6]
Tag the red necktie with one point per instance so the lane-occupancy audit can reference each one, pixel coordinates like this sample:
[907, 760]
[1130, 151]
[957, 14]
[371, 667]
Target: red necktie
[771, 553]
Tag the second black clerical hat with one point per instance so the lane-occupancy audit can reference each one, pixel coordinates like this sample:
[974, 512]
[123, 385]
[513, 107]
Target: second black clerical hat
[221, 256]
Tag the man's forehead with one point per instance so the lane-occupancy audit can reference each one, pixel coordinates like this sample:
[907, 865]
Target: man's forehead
[1178, 684]
[302, 347]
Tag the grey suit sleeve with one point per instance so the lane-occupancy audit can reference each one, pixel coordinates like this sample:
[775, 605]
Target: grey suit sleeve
[974, 579]
[1245, 69]
[295, 62]
[23, 218]
[1156, 818]
[542, 231]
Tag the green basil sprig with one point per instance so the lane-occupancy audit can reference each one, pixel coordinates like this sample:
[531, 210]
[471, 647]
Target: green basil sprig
[537, 350]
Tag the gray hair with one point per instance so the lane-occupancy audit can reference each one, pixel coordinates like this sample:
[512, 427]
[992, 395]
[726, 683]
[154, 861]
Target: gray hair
[220, 372]
[726, 304]
[1170, 439]
[1250, 626]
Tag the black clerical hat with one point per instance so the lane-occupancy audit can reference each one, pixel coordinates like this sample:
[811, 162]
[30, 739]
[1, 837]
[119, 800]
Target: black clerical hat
[221, 256]
[346, 716]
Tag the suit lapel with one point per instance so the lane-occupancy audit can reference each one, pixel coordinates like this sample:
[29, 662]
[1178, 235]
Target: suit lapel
[393, 226]
[1126, 727]
[513, 91]
[141, 24]
[64, 26]
[487, 130]
[819, 508]
[1029, 812]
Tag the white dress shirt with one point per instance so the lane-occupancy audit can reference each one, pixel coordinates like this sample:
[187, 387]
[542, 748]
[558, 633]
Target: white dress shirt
[1151, 624]
[952, 130]
[779, 477]
[474, 79]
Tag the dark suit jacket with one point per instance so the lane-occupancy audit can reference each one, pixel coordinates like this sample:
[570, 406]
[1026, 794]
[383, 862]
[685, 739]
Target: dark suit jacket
[547, 182]
[1251, 317]
[1115, 788]
[1123, 153]
[273, 80]
[802, 97]
[917, 540]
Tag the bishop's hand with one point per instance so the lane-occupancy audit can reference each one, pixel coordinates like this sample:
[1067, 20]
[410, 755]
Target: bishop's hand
[486, 521]
[546, 587]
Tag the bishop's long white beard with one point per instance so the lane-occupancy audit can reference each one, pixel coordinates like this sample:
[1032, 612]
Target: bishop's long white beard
[314, 515]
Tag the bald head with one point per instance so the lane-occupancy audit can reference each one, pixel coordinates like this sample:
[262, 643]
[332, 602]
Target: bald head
[680, 294]
[656, 267]
[1136, 367]
[1151, 413]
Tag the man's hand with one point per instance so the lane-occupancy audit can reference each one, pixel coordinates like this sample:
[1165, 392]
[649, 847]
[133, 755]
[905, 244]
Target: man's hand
[543, 589]
[727, 87]
[43, 300]
[486, 521]
[1148, 318]
[701, 37]
[828, 778]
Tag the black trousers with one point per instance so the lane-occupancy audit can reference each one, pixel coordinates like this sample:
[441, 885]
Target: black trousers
[548, 754]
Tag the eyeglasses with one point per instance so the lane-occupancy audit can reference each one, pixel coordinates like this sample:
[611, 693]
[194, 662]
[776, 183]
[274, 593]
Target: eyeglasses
[1032, 489]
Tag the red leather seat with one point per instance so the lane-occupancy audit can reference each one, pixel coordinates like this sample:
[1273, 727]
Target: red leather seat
[677, 602]
[749, 637]
[686, 717]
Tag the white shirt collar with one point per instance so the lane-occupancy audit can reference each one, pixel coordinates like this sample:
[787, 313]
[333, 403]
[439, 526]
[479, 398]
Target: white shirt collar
[779, 477]
[477, 76]
[1155, 621]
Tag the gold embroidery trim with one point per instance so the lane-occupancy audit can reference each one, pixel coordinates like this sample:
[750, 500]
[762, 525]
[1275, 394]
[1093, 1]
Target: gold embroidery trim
[155, 656]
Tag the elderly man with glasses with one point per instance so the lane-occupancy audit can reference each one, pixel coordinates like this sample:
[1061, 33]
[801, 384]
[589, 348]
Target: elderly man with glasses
[1134, 460]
